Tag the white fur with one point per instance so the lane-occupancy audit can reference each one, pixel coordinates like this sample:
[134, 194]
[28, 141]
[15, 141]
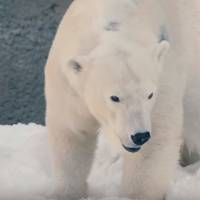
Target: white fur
[117, 45]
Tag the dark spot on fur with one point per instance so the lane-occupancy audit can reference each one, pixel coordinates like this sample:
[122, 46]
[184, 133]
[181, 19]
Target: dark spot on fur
[112, 26]
[163, 34]
[75, 65]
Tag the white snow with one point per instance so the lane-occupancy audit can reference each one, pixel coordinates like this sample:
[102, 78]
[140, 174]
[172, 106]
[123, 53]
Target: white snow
[25, 169]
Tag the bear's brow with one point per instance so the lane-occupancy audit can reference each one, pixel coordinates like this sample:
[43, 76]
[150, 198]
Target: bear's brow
[135, 77]
[112, 26]
[75, 65]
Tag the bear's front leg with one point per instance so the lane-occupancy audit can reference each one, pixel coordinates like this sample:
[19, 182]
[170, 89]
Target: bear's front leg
[147, 174]
[72, 157]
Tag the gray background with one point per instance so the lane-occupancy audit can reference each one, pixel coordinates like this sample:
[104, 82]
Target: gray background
[27, 28]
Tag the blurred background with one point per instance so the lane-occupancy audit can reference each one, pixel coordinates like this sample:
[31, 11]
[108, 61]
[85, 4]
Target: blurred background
[27, 28]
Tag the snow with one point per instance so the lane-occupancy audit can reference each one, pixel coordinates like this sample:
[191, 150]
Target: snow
[25, 169]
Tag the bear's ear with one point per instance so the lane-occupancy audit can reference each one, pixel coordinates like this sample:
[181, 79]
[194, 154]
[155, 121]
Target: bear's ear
[78, 64]
[75, 65]
[161, 50]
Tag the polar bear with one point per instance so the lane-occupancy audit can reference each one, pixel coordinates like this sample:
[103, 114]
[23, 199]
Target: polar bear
[122, 67]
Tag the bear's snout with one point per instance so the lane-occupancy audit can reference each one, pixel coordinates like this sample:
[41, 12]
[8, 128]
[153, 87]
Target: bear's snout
[141, 138]
[138, 139]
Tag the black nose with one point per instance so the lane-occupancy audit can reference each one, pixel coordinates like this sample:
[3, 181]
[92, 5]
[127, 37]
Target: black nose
[140, 138]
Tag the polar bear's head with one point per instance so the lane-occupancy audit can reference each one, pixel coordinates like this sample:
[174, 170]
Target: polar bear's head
[120, 87]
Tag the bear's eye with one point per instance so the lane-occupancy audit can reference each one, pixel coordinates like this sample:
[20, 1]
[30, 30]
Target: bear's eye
[150, 96]
[115, 98]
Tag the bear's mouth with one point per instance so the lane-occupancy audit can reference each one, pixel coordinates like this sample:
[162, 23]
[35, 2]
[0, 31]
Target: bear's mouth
[132, 149]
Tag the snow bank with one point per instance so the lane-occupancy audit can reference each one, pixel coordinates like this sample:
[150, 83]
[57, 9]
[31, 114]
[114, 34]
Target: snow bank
[25, 169]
